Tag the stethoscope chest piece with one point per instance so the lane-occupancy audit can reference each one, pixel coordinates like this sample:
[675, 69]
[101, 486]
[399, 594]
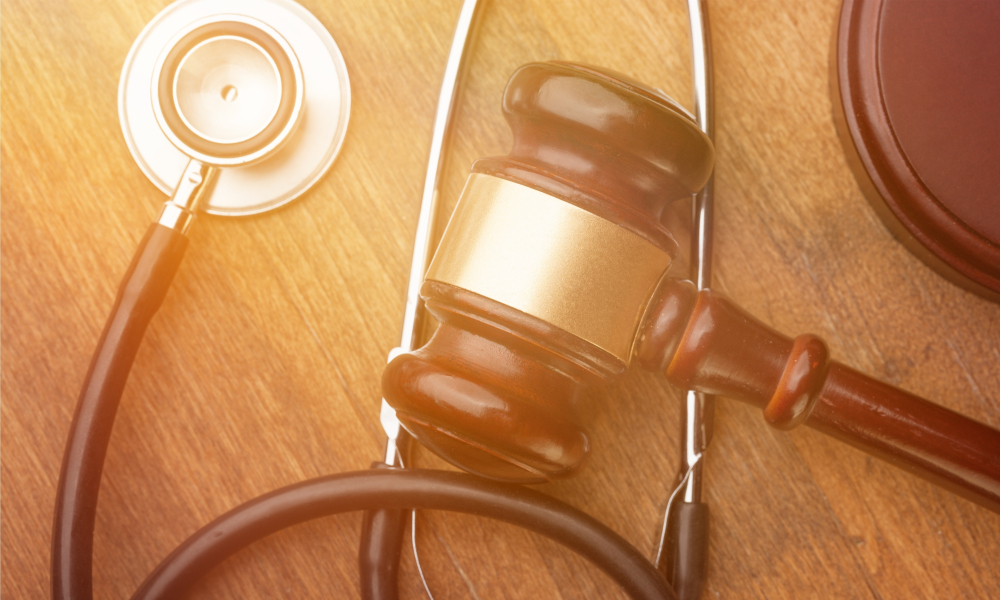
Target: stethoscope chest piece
[257, 87]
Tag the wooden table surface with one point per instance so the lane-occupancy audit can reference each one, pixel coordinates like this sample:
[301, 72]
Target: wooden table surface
[262, 368]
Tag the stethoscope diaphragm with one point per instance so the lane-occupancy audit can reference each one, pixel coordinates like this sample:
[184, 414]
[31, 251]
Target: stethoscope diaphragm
[258, 87]
[227, 90]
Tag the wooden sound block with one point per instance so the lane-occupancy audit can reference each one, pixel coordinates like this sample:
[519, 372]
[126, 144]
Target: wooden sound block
[917, 104]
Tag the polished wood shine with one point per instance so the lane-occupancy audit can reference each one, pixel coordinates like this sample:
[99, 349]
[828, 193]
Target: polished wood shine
[919, 125]
[717, 348]
[497, 391]
[263, 365]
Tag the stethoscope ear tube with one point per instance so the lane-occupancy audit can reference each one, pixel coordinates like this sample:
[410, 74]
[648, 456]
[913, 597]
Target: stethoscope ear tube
[139, 297]
[382, 531]
[682, 554]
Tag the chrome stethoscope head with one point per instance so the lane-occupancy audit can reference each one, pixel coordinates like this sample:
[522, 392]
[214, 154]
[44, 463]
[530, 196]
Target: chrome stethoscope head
[227, 90]
[252, 95]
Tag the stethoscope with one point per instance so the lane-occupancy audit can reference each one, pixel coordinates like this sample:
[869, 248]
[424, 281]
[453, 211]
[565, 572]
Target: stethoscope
[257, 89]
[682, 547]
[237, 108]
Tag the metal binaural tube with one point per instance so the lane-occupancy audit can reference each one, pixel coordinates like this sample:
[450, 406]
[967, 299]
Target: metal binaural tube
[682, 551]
[704, 110]
[698, 406]
[383, 533]
[423, 244]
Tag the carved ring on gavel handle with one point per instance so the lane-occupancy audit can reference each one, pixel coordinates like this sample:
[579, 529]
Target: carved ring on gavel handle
[705, 342]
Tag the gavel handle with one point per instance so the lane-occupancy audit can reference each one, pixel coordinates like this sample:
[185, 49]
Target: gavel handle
[705, 342]
[928, 440]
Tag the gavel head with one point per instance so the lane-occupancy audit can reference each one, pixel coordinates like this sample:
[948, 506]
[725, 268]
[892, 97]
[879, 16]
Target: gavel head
[546, 270]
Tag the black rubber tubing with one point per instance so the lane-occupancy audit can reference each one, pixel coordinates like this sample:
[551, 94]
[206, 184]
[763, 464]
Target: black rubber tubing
[379, 551]
[685, 561]
[139, 297]
[392, 489]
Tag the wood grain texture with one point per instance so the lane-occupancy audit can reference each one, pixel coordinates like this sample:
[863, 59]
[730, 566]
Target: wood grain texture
[263, 366]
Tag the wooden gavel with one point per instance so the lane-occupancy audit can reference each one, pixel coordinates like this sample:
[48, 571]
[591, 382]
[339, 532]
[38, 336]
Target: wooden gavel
[550, 278]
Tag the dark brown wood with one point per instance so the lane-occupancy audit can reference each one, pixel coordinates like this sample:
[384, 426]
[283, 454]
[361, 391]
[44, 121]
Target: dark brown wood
[722, 350]
[604, 142]
[500, 401]
[915, 104]
[498, 392]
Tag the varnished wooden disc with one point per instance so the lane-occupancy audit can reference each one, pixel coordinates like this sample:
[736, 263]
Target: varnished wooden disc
[917, 100]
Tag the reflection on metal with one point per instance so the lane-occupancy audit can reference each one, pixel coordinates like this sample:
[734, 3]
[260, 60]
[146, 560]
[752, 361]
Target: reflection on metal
[698, 408]
[423, 244]
[298, 163]
[194, 186]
